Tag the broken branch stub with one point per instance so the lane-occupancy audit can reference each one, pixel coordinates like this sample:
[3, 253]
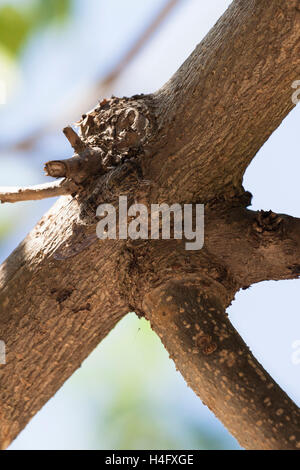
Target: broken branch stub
[85, 163]
[77, 168]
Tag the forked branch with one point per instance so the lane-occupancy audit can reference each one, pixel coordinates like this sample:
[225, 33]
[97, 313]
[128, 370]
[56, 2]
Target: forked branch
[205, 126]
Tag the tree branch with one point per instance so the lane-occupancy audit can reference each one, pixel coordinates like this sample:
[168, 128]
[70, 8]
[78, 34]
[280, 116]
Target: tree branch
[58, 299]
[41, 191]
[225, 101]
[87, 161]
[254, 246]
[76, 142]
[220, 368]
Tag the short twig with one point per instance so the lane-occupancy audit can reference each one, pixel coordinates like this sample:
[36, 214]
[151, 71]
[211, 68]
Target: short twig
[74, 139]
[41, 191]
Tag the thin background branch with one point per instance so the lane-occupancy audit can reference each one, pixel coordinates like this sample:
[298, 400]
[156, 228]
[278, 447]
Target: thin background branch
[104, 85]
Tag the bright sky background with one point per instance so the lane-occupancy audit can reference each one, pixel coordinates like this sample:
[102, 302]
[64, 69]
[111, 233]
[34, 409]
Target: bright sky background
[266, 315]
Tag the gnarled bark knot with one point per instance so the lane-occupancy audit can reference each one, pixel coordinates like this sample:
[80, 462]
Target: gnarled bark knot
[117, 130]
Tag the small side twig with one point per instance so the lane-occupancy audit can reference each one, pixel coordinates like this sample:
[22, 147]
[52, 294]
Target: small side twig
[77, 144]
[41, 191]
[86, 162]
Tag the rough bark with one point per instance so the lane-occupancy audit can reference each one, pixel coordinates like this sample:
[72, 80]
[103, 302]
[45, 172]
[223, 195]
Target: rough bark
[189, 142]
[55, 309]
[220, 368]
[226, 100]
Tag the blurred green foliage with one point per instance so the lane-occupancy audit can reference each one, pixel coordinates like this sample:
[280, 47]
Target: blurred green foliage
[6, 226]
[136, 398]
[141, 413]
[19, 22]
[133, 423]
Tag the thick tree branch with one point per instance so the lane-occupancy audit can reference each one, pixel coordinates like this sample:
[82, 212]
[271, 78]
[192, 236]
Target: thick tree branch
[220, 368]
[254, 246]
[55, 307]
[225, 101]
